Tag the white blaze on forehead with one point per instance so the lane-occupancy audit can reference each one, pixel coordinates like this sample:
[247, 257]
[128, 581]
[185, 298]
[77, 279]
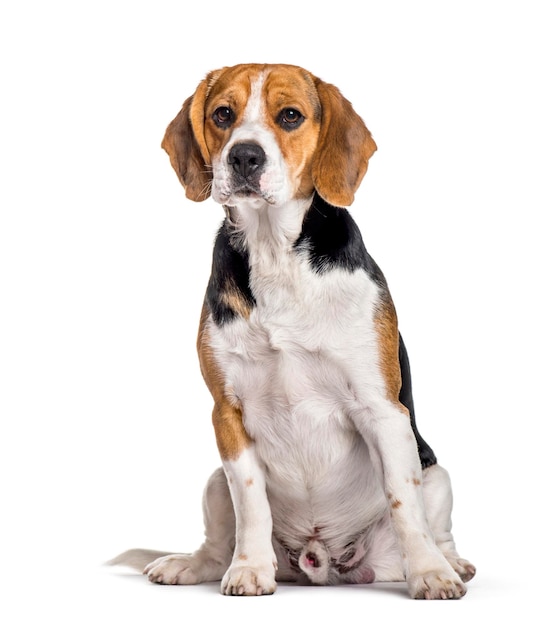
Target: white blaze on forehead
[254, 110]
[253, 127]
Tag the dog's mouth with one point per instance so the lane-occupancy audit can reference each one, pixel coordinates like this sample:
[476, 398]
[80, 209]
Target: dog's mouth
[247, 190]
[250, 191]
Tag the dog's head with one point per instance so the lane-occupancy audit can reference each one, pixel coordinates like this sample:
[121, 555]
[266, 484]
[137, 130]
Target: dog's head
[268, 133]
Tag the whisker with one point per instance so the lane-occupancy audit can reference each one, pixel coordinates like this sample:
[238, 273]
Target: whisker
[206, 189]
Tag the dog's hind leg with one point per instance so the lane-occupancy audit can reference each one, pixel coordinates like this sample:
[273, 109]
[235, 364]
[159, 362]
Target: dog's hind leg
[210, 561]
[438, 502]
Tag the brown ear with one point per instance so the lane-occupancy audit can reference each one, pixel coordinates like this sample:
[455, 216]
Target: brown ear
[343, 151]
[185, 144]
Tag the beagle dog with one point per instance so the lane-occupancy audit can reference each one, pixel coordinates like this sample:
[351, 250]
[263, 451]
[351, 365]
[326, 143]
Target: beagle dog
[324, 475]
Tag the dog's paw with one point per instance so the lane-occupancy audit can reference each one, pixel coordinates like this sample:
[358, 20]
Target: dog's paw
[246, 580]
[174, 569]
[436, 585]
[464, 568]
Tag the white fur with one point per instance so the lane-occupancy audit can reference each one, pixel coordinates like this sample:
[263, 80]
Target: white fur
[254, 562]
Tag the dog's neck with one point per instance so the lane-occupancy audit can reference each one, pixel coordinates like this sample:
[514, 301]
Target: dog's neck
[266, 235]
[263, 229]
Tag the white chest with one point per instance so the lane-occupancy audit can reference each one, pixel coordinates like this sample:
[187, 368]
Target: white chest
[302, 361]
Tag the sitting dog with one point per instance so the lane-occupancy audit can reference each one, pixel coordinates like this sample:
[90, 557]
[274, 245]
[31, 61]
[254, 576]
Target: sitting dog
[324, 476]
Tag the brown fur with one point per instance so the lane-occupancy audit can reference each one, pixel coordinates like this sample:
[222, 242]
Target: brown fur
[344, 148]
[230, 433]
[330, 154]
[387, 329]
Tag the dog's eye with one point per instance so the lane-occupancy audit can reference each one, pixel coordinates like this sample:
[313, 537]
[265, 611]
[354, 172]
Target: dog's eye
[289, 119]
[223, 117]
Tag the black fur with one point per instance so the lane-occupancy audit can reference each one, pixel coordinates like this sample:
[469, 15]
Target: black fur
[426, 453]
[229, 272]
[331, 238]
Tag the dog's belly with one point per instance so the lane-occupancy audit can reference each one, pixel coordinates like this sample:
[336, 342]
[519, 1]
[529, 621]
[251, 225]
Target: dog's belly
[320, 479]
[297, 401]
[325, 498]
[332, 496]
[300, 368]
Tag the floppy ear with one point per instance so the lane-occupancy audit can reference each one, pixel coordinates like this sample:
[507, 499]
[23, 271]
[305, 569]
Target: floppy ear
[185, 144]
[343, 150]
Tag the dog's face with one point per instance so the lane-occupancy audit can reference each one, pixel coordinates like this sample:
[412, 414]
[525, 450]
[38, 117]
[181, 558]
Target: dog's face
[261, 134]
[261, 130]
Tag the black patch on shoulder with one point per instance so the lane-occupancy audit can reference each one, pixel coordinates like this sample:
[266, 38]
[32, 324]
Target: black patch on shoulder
[229, 273]
[331, 239]
[426, 453]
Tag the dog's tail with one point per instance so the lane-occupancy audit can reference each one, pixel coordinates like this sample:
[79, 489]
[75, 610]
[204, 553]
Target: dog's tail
[137, 559]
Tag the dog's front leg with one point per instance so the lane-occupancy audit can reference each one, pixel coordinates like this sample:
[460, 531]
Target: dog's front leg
[253, 567]
[394, 450]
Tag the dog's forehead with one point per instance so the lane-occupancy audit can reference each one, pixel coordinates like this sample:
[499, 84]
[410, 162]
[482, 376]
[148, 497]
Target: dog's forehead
[291, 86]
[232, 84]
[280, 86]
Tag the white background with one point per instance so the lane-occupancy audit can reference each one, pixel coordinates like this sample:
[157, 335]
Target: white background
[106, 440]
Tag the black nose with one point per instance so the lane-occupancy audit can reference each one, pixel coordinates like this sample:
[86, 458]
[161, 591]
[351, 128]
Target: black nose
[246, 158]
